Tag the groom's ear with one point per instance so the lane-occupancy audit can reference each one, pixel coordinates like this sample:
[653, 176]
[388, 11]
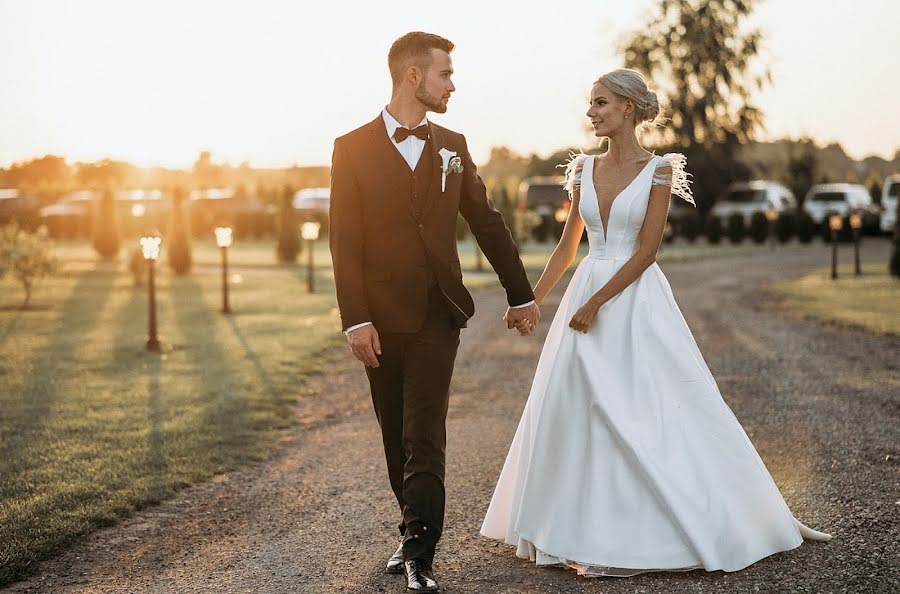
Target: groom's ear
[414, 74]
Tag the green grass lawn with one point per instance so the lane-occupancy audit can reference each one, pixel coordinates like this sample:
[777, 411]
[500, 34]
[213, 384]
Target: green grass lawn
[93, 427]
[871, 301]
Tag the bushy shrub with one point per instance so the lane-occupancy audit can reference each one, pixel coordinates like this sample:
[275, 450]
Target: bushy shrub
[785, 226]
[106, 227]
[737, 230]
[805, 227]
[26, 256]
[288, 247]
[691, 226]
[179, 240]
[713, 229]
[759, 227]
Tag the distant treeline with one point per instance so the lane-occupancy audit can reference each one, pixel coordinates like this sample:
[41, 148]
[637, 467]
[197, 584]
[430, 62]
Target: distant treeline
[51, 176]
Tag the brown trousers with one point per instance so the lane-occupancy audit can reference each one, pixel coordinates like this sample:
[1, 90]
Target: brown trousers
[410, 392]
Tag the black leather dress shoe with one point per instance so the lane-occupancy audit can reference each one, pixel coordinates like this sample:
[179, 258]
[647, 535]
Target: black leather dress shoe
[395, 563]
[420, 577]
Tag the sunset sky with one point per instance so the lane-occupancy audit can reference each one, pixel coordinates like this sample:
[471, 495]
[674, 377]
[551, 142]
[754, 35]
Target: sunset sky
[273, 82]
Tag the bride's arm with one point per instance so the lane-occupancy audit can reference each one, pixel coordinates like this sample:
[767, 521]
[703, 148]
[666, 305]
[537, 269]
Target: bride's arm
[649, 239]
[564, 253]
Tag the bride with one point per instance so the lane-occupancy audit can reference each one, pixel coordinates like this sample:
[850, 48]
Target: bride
[626, 458]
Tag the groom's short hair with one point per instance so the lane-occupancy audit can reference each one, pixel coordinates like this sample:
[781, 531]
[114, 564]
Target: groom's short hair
[414, 47]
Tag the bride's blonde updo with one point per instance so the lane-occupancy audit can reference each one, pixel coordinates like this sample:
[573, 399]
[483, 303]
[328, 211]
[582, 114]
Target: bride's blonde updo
[631, 84]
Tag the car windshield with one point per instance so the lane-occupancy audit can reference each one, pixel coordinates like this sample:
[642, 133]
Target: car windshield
[545, 194]
[894, 189]
[829, 197]
[745, 196]
[311, 203]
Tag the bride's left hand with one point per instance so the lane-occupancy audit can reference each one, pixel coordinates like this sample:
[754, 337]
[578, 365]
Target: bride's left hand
[585, 317]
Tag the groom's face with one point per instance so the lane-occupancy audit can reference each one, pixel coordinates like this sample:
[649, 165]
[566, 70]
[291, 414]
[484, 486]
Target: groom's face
[435, 85]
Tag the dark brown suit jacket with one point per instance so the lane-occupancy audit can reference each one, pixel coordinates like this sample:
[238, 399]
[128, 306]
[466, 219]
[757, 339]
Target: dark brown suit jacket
[380, 249]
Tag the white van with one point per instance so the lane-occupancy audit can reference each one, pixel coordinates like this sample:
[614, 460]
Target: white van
[843, 199]
[747, 198]
[889, 194]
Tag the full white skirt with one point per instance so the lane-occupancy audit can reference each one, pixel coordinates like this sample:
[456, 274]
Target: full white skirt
[626, 458]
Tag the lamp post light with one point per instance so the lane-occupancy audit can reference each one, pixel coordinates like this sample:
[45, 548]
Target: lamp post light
[835, 223]
[772, 218]
[310, 233]
[150, 249]
[856, 225]
[223, 240]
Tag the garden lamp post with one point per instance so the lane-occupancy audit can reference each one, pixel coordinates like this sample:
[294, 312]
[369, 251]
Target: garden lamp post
[835, 223]
[772, 218]
[856, 225]
[310, 233]
[150, 248]
[223, 240]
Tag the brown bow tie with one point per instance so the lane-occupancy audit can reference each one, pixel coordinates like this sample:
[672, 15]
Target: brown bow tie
[401, 134]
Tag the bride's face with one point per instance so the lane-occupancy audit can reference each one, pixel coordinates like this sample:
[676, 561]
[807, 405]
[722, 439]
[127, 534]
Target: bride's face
[607, 111]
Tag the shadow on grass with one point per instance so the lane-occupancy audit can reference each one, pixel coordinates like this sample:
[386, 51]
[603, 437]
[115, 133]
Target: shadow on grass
[254, 359]
[80, 313]
[11, 325]
[225, 414]
[130, 354]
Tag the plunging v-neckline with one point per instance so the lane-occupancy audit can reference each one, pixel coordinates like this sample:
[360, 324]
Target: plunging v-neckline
[604, 226]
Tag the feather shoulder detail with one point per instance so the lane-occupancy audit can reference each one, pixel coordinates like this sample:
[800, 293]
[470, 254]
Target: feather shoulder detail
[574, 166]
[679, 179]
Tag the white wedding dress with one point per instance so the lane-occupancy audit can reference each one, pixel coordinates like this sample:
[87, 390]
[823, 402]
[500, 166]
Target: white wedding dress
[626, 458]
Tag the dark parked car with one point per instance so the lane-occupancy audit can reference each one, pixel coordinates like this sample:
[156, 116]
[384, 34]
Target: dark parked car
[245, 213]
[548, 199]
[16, 205]
[71, 215]
[312, 204]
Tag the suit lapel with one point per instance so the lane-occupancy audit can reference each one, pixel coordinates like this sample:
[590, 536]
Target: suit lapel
[434, 192]
[390, 164]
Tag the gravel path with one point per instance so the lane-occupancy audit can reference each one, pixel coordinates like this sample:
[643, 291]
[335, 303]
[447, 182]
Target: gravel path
[821, 403]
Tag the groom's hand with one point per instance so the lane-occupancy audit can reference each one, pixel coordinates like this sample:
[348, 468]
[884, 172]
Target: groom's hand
[523, 317]
[365, 345]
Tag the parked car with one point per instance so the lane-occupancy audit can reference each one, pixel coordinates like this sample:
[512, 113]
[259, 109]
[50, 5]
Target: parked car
[312, 204]
[748, 198]
[547, 198]
[245, 213]
[71, 215]
[889, 194]
[843, 199]
[142, 210]
[16, 205]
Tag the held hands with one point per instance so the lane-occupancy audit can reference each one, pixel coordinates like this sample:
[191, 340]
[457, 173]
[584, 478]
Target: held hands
[585, 317]
[523, 319]
[365, 345]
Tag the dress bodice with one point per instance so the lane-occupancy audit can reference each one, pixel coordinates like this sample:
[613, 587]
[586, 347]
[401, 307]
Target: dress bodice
[626, 214]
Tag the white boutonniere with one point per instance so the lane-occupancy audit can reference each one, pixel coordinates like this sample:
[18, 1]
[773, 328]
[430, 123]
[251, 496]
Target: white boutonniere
[450, 163]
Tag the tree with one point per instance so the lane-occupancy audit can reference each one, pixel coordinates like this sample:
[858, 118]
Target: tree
[803, 164]
[106, 227]
[703, 57]
[105, 174]
[26, 256]
[206, 173]
[45, 175]
[179, 249]
[288, 228]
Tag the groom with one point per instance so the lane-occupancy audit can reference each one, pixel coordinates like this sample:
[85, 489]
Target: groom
[398, 184]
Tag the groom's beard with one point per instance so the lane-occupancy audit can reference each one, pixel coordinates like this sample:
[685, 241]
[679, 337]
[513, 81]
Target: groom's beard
[433, 103]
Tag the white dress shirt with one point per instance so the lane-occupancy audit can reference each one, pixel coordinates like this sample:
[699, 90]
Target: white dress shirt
[411, 150]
